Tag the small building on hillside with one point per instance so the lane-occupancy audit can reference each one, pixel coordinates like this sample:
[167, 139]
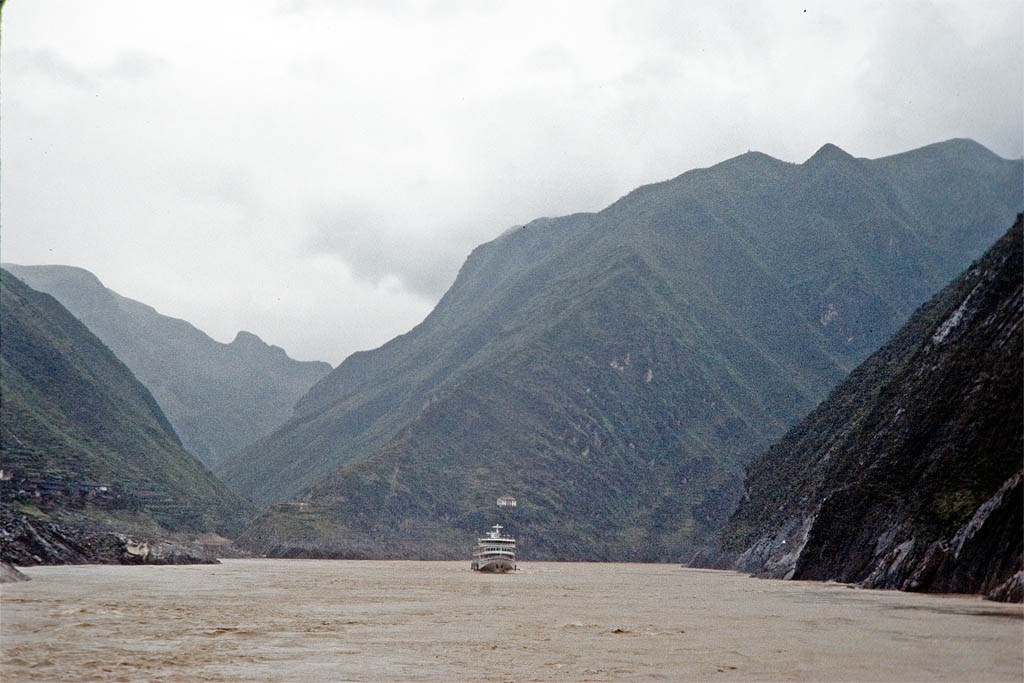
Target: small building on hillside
[506, 502]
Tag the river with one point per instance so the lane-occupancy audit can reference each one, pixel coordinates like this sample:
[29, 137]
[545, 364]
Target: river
[314, 620]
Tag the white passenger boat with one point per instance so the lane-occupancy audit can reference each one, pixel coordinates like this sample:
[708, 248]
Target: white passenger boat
[495, 552]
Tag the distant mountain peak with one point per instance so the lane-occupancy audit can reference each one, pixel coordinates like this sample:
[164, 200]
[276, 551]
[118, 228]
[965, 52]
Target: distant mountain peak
[753, 160]
[244, 338]
[218, 396]
[966, 144]
[755, 156]
[58, 273]
[962, 148]
[829, 152]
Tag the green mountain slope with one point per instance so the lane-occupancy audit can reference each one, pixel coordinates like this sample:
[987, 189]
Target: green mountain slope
[910, 474]
[80, 433]
[615, 370]
[219, 397]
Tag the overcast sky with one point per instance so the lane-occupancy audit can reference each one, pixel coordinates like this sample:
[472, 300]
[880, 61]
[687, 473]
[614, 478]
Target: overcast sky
[316, 171]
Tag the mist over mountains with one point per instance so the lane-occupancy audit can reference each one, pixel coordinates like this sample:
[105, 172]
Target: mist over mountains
[615, 371]
[219, 397]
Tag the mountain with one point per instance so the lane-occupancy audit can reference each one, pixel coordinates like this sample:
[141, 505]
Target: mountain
[615, 371]
[910, 474]
[81, 435]
[219, 397]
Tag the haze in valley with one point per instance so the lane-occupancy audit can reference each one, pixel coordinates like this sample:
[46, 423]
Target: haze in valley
[316, 172]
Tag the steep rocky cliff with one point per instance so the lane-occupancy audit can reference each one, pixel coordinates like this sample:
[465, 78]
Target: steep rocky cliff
[8, 574]
[909, 475]
[26, 541]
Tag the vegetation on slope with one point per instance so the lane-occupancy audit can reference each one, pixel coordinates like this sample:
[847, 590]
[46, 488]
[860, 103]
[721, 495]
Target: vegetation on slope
[80, 433]
[615, 371]
[219, 397]
[909, 475]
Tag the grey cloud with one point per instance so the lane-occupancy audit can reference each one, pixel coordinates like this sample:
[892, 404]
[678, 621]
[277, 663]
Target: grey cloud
[550, 57]
[313, 68]
[234, 187]
[652, 72]
[416, 8]
[50, 65]
[133, 66]
[375, 249]
[392, 137]
[292, 6]
[927, 74]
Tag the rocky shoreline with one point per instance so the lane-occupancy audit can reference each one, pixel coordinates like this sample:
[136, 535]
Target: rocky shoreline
[25, 541]
[9, 574]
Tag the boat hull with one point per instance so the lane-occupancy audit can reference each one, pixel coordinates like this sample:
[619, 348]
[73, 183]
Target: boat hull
[495, 552]
[495, 565]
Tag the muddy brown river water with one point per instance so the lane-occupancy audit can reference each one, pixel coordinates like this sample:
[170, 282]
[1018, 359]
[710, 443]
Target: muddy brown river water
[314, 620]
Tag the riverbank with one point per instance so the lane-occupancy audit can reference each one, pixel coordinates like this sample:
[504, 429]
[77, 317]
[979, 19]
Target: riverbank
[27, 541]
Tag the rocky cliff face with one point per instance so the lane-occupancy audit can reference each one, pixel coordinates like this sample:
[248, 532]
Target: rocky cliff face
[909, 475]
[8, 574]
[25, 542]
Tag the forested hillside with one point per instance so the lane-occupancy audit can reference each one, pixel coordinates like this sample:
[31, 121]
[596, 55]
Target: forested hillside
[219, 397]
[615, 371]
[82, 436]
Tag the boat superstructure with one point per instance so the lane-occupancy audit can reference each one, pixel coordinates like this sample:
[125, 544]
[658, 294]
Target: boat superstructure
[495, 552]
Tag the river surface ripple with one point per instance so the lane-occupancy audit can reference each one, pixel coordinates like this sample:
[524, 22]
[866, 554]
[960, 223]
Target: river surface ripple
[314, 620]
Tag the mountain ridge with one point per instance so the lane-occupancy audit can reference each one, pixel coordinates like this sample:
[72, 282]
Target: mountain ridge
[740, 293]
[82, 436]
[909, 475]
[219, 397]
